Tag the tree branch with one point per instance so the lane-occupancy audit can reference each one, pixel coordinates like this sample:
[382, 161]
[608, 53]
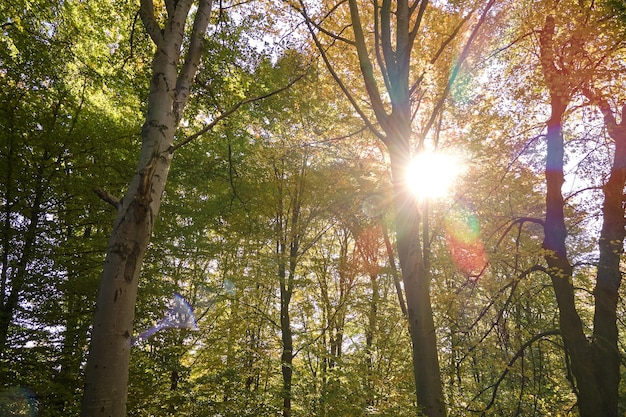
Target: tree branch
[108, 197]
[367, 69]
[326, 32]
[520, 221]
[609, 118]
[515, 357]
[338, 80]
[146, 12]
[455, 72]
[178, 12]
[385, 38]
[229, 112]
[418, 20]
[192, 58]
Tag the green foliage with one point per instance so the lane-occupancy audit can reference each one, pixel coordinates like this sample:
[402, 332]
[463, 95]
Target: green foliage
[71, 102]
[62, 134]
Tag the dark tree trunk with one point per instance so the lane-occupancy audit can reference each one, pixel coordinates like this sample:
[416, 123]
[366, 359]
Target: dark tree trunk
[595, 362]
[14, 278]
[609, 277]
[416, 280]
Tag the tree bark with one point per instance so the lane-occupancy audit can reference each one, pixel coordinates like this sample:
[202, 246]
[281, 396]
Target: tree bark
[286, 367]
[609, 277]
[106, 373]
[595, 362]
[397, 127]
[15, 277]
[416, 281]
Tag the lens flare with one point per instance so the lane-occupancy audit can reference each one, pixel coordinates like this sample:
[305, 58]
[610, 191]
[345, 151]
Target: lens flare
[229, 287]
[373, 205]
[18, 401]
[464, 243]
[179, 315]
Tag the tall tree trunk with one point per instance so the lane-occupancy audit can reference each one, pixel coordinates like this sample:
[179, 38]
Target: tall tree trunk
[397, 127]
[71, 355]
[287, 353]
[388, 49]
[106, 373]
[286, 278]
[416, 280]
[370, 333]
[561, 273]
[608, 278]
[595, 363]
[289, 234]
[14, 277]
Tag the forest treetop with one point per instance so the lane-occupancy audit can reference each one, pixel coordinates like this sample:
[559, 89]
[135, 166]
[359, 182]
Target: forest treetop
[252, 157]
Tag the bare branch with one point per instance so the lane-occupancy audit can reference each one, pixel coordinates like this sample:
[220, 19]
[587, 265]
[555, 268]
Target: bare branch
[338, 80]
[442, 48]
[455, 71]
[610, 122]
[512, 284]
[582, 190]
[520, 221]
[326, 32]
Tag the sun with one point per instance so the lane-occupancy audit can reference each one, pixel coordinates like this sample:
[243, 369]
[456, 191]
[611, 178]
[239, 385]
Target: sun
[431, 175]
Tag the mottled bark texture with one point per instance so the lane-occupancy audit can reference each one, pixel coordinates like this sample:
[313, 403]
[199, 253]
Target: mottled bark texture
[106, 374]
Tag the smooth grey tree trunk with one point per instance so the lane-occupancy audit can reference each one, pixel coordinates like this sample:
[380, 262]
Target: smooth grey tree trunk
[106, 374]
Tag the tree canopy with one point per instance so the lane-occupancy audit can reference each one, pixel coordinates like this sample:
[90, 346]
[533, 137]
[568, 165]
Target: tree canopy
[251, 160]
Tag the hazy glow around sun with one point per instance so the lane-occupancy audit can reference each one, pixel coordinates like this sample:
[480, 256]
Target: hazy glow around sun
[431, 175]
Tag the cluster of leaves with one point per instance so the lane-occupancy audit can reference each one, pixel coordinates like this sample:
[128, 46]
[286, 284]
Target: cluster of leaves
[71, 103]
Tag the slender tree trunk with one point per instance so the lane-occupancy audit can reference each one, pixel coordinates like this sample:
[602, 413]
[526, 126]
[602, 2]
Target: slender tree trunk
[14, 279]
[71, 356]
[286, 291]
[286, 278]
[106, 373]
[370, 332]
[288, 236]
[287, 353]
